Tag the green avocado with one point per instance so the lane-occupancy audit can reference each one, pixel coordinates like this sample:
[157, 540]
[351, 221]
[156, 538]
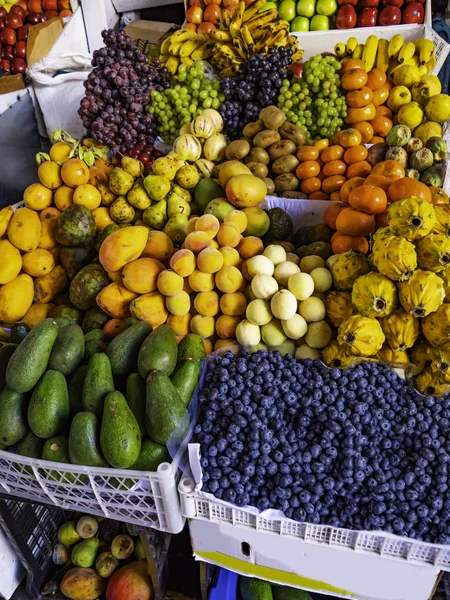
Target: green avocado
[191, 347]
[151, 456]
[97, 383]
[6, 352]
[287, 593]
[75, 389]
[84, 441]
[86, 285]
[95, 334]
[120, 439]
[92, 347]
[49, 408]
[281, 226]
[67, 311]
[74, 259]
[13, 416]
[164, 408]
[56, 449]
[18, 332]
[68, 350]
[158, 351]
[30, 445]
[75, 226]
[135, 395]
[123, 350]
[254, 589]
[185, 379]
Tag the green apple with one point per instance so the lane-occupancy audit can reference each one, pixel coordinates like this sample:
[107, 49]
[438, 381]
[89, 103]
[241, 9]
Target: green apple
[286, 10]
[300, 24]
[326, 7]
[306, 8]
[268, 6]
[319, 23]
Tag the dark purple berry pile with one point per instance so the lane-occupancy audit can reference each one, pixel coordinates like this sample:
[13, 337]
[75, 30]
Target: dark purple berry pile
[256, 86]
[358, 449]
[117, 91]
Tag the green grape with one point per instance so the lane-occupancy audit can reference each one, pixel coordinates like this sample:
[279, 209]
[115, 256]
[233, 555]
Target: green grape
[288, 104]
[215, 103]
[207, 103]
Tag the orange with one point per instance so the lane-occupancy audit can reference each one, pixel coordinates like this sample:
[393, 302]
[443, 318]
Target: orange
[332, 153]
[49, 173]
[334, 167]
[310, 185]
[308, 153]
[75, 172]
[359, 169]
[333, 183]
[319, 196]
[309, 168]
[381, 125]
[402, 188]
[366, 131]
[376, 78]
[350, 185]
[349, 137]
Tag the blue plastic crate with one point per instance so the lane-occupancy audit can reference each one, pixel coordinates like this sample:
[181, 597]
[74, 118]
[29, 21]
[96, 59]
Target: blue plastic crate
[226, 587]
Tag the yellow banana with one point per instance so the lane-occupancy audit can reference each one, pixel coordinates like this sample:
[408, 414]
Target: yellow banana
[351, 45]
[383, 55]
[240, 47]
[227, 51]
[190, 46]
[175, 48]
[395, 45]
[166, 44]
[262, 19]
[252, 9]
[235, 30]
[370, 52]
[187, 61]
[278, 39]
[204, 52]
[358, 51]
[340, 50]
[221, 36]
[228, 72]
[247, 36]
[425, 48]
[406, 52]
[172, 64]
[226, 19]
[238, 14]
[164, 58]
[183, 35]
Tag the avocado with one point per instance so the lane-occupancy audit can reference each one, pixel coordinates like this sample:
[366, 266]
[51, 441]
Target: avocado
[93, 347]
[287, 593]
[129, 321]
[301, 236]
[72, 314]
[86, 285]
[68, 350]
[18, 332]
[191, 347]
[74, 259]
[322, 249]
[320, 233]
[95, 334]
[254, 589]
[205, 191]
[281, 226]
[123, 350]
[94, 318]
[120, 439]
[56, 449]
[97, 383]
[30, 358]
[49, 408]
[30, 445]
[185, 379]
[164, 408]
[6, 352]
[62, 321]
[135, 395]
[13, 416]
[84, 441]
[75, 226]
[75, 389]
[151, 456]
[158, 351]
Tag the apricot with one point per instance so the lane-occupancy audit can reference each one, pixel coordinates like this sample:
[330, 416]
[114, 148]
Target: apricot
[207, 303]
[210, 260]
[228, 235]
[244, 270]
[215, 244]
[183, 262]
[227, 345]
[250, 246]
[209, 224]
[201, 282]
[169, 283]
[186, 287]
[179, 323]
[233, 304]
[203, 326]
[159, 246]
[196, 241]
[226, 326]
[229, 279]
[207, 343]
[190, 227]
[238, 219]
[179, 304]
[231, 256]
[63, 197]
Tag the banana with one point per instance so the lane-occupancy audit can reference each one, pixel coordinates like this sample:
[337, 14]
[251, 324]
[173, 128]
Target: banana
[183, 35]
[370, 52]
[221, 36]
[187, 61]
[382, 55]
[425, 49]
[175, 48]
[235, 30]
[358, 51]
[238, 14]
[239, 45]
[166, 44]
[247, 36]
[262, 19]
[395, 45]
[340, 50]
[228, 72]
[164, 58]
[407, 51]
[190, 46]
[278, 39]
[226, 19]
[351, 45]
[172, 64]
[227, 51]
[252, 9]
[203, 52]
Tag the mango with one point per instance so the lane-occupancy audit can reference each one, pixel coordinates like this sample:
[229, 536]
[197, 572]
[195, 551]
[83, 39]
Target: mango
[158, 245]
[16, 298]
[37, 263]
[10, 262]
[47, 239]
[36, 313]
[6, 215]
[141, 275]
[179, 304]
[246, 191]
[230, 169]
[122, 246]
[258, 221]
[114, 300]
[150, 308]
[24, 230]
[51, 285]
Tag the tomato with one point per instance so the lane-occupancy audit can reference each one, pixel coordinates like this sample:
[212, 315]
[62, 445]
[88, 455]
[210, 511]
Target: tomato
[354, 79]
[309, 168]
[378, 181]
[336, 196]
[351, 63]
[350, 137]
[332, 153]
[359, 98]
[334, 167]
[332, 212]
[322, 144]
[380, 96]
[366, 131]
[369, 199]
[359, 169]
[355, 154]
[390, 169]
[319, 196]
[308, 153]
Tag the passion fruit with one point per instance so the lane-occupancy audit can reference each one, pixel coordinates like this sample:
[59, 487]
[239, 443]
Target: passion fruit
[49, 173]
[37, 196]
[60, 151]
[74, 172]
[88, 196]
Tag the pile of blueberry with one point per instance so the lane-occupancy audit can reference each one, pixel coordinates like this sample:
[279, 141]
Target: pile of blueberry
[358, 449]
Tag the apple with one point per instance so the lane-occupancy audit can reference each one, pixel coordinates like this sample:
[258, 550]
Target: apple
[346, 17]
[194, 15]
[17, 10]
[22, 33]
[269, 6]
[8, 52]
[297, 68]
[13, 20]
[413, 13]
[390, 15]
[35, 6]
[306, 8]
[20, 50]
[397, 3]
[286, 10]
[8, 36]
[32, 18]
[369, 3]
[49, 5]
[5, 65]
[18, 65]
[319, 23]
[326, 7]
[300, 24]
[367, 17]
[351, 2]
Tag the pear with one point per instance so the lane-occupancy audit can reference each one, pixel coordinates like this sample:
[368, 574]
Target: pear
[176, 205]
[120, 182]
[122, 546]
[156, 215]
[182, 193]
[157, 187]
[166, 166]
[188, 176]
[138, 196]
[106, 564]
[84, 553]
[175, 228]
[132, 166]
[60, 555]
[105, 192]
[67, 534]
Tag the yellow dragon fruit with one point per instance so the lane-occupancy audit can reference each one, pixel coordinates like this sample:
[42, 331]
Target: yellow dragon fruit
[335, 356]
[401, 329]
[382, 234]
[440, 365]
[339, 307]
[421, 357]
[411, 218]
[393, 356]
[436, 327]
[422, 294]
[433, 252]
[374, 295]
[431, 384]
[347, 268]
[394, 257]
[361, 336]
[442, 224]
[445, 276]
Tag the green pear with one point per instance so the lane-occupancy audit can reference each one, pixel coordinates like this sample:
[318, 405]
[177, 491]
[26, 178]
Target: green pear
[157, 187]
[220, 208]
[176, 205]
[175, 228]
[84, 553]
[155, 216]
[138, 196]
[67, 534]
[120, 182]
[132, 166]
[182, 193]
[166, 166]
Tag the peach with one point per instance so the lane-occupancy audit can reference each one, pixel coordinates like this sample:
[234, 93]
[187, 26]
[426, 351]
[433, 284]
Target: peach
[233, 304]
[209, 224]
[229, 280]
[250, 246]
[226, 326]
[183, 262]
[248, 293]
[201, 282]
[228, 235]
[186, 287]
[179, 323]
[210, 260]
[169, 283]
[179, 304]
[229, 344]
[238, 219]
[190, 227]
[215, 244]
[244, 271]
[230, 255]
[159, 246]
[197, 241]
[203, 326]
[207, 304]
[208, 346]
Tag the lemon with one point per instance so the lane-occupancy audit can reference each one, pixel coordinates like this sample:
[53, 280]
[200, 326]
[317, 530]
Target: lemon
[410, 114]
[427, 130]
[438, 108]
[407, 75]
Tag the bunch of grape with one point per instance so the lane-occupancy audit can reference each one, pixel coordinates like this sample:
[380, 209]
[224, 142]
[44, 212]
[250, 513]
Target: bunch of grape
[316, 100]
[116, 93]
[256, 86]
[179, 104]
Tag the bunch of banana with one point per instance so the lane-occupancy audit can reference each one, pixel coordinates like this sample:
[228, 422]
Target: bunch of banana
[247, 32]
[184, 47]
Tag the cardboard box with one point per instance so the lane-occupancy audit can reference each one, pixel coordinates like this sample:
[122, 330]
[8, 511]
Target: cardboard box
[11, 83]
[124, 5]
[150, 33]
